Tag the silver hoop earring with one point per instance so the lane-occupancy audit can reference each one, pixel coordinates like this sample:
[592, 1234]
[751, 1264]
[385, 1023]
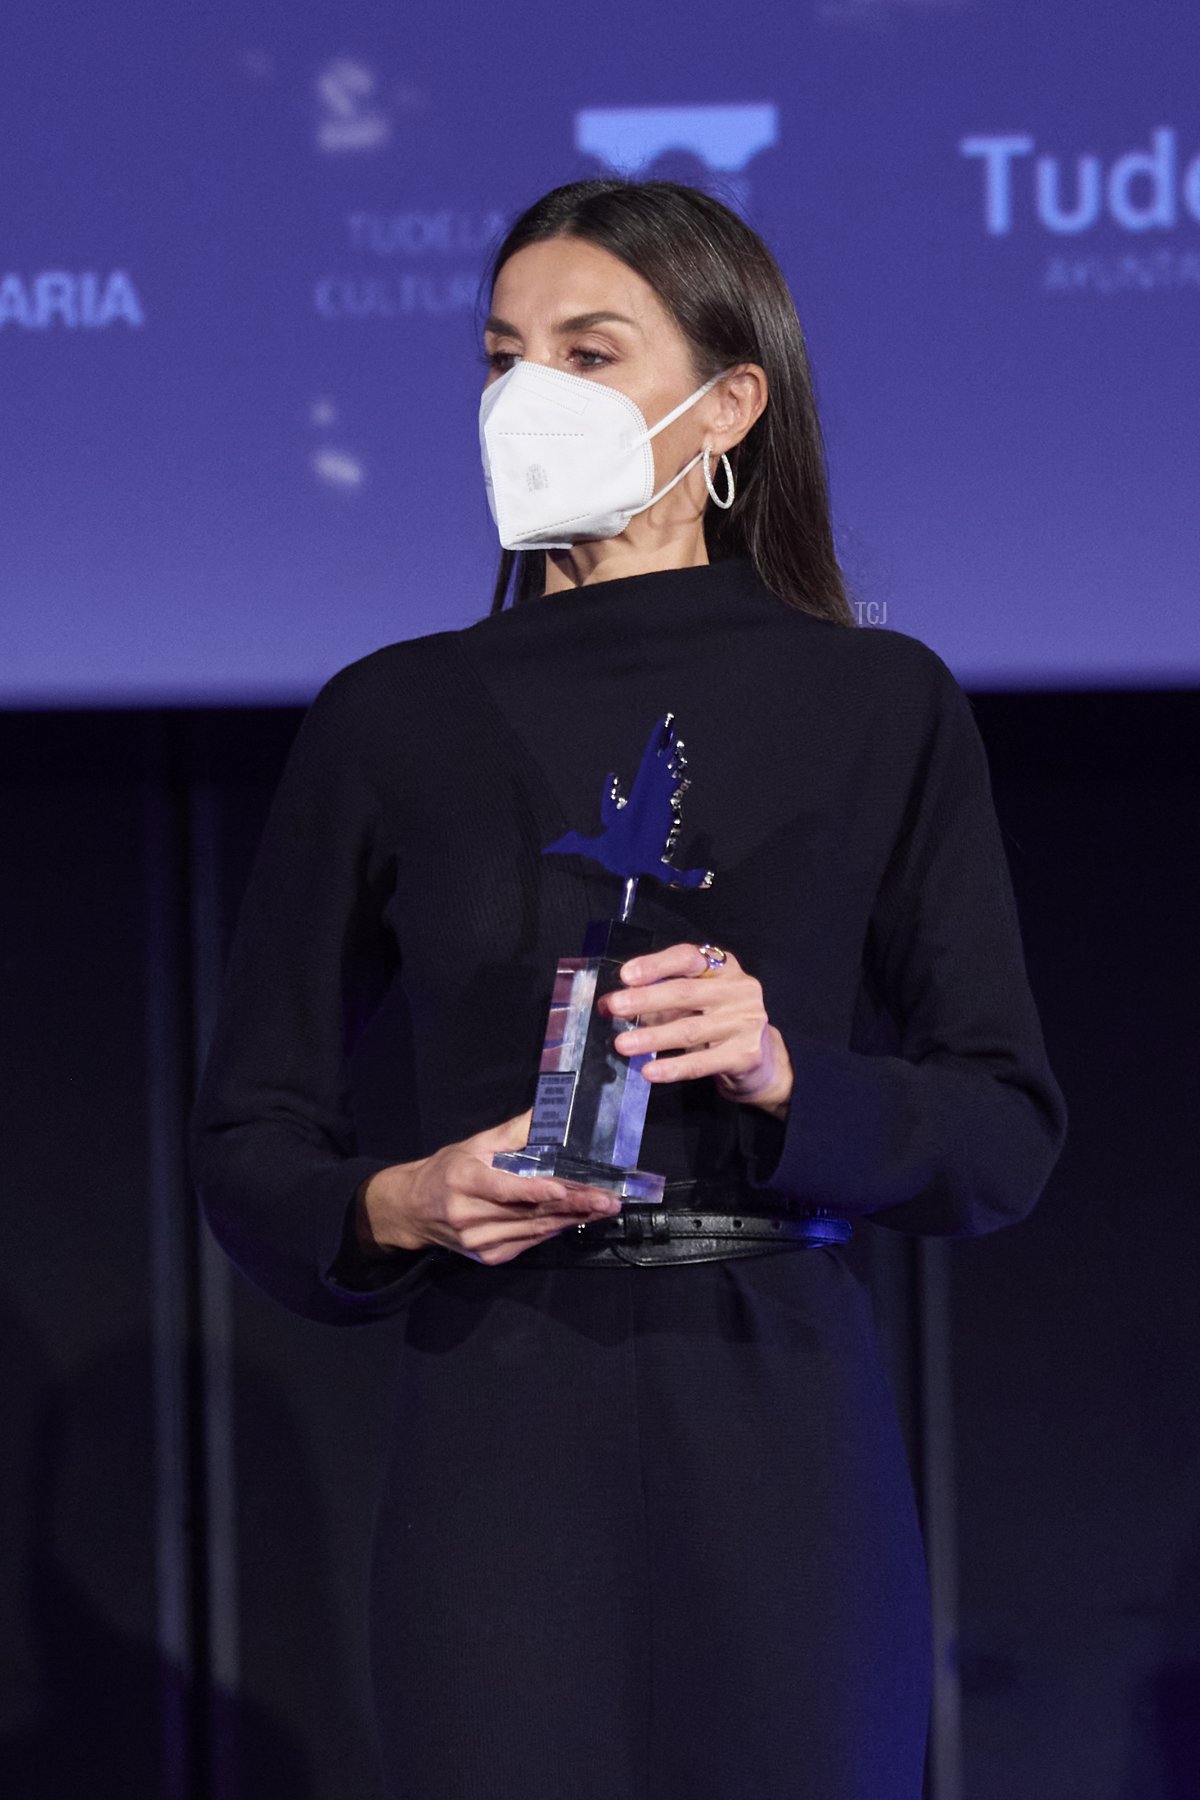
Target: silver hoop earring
[708, 481]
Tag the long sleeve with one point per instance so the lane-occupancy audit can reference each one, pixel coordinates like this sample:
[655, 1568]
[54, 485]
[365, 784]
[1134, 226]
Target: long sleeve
[956, 1132]
[271, 1146]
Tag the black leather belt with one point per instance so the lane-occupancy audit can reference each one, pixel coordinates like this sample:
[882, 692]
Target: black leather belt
[695, 1221]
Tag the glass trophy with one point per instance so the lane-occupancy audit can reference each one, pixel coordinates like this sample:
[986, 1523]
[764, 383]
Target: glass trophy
[590, 1106]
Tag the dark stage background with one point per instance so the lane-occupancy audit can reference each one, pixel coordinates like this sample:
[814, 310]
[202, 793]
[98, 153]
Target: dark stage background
[188, 1472]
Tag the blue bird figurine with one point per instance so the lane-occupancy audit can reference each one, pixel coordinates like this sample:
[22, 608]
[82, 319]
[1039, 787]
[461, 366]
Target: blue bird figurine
[641, 829]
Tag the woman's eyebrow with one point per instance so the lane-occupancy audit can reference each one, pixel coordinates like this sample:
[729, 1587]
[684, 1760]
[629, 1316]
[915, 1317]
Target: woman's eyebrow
[581, 322]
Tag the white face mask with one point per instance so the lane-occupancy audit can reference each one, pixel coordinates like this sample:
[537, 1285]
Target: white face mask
[565, 458]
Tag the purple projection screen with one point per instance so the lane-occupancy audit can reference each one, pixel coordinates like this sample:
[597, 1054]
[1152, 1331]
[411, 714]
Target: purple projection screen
[239, 362]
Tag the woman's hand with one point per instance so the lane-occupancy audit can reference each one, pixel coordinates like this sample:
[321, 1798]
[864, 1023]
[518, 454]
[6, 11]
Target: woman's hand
[717, 1021]
[456, 1198]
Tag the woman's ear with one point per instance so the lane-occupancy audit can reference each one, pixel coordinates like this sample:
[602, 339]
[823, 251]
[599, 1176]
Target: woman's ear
[742, 399]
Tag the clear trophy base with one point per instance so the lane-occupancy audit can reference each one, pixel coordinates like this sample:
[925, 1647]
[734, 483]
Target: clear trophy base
[552, 1159]
[591, 1100]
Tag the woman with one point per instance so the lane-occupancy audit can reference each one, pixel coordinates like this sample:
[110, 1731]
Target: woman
[647, 1530]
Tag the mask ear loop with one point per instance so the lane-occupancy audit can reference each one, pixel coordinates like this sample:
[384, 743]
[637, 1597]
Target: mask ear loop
[676, 413]
[674, 482]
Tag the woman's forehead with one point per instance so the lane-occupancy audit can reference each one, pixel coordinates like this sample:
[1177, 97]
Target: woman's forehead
[562, 281]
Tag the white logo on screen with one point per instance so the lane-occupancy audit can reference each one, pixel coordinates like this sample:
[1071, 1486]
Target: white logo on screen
[1143, 189]
[349, 116]
[627, 139]
[88, 301]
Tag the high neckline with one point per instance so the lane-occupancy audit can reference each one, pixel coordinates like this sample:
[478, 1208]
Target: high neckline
[734, 579]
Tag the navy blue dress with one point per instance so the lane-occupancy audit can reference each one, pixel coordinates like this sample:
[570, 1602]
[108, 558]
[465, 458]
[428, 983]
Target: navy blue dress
[646, 1532]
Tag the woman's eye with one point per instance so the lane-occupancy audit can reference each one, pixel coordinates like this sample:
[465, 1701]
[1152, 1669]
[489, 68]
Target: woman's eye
[503, 360]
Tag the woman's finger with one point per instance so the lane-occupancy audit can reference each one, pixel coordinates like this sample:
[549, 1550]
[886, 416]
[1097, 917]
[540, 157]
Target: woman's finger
[683, 1033]
[676, 959]
[686, 1067]
[510, 1134]
[499, 1243]
[686, 994]
[523, 1194]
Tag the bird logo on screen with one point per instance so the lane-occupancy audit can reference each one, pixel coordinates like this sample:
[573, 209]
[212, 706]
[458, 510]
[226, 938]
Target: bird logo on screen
[725, 139]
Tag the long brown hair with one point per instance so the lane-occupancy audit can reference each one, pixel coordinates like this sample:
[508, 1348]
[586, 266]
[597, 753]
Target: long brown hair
[725, 291]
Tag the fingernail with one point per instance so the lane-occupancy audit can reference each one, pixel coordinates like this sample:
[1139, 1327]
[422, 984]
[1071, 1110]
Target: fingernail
[630, 971]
